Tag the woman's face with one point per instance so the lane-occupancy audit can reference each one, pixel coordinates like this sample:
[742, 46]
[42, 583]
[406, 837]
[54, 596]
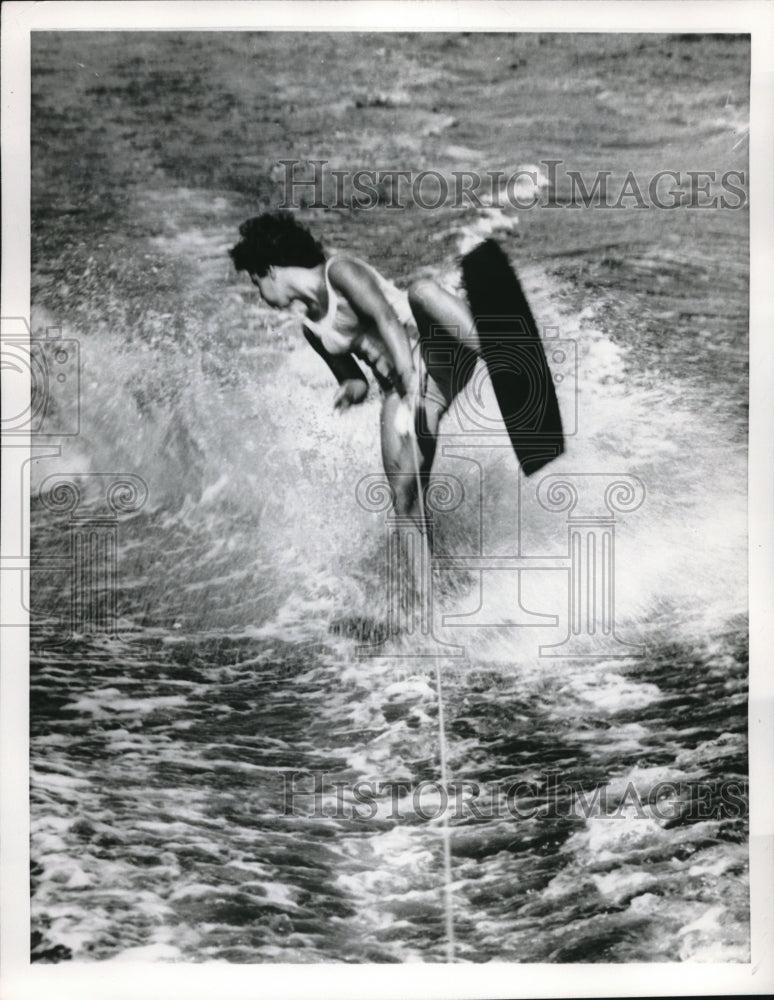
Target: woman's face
[273, 288]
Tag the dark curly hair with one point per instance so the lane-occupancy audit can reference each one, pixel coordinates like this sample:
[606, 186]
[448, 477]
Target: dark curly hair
[275, 239]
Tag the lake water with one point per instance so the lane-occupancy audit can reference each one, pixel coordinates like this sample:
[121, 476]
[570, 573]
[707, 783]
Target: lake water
[170, 761]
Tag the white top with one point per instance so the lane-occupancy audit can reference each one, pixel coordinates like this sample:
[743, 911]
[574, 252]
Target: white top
[342, 331]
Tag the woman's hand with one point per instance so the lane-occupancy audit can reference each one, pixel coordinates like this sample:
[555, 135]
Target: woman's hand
[349, 393]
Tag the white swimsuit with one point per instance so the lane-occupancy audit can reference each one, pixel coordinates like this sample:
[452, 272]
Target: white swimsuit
[342, 331]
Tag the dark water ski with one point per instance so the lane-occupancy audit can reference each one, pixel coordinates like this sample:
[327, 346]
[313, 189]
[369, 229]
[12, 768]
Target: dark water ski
[514, 355]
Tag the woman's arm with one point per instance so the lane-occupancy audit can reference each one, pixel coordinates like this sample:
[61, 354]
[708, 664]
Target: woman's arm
[352, 381]
[343, 366]
[365, 296]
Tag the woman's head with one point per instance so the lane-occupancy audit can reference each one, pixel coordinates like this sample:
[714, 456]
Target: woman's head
[274, 239]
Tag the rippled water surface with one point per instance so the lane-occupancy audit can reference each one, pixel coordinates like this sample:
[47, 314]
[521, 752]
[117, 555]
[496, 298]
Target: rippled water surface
[192, 776]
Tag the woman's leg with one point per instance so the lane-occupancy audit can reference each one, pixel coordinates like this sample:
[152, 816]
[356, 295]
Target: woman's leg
[408, 469]
[449, 350]
[448, 336]
[407, 460]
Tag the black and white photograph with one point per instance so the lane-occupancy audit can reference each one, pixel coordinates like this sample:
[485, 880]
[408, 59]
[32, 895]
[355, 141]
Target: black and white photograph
[381, 501]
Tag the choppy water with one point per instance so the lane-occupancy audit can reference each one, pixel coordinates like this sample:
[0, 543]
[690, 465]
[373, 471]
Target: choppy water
[162, 758]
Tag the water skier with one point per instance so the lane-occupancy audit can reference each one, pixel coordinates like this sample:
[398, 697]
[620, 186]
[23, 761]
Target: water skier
[354, 314]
